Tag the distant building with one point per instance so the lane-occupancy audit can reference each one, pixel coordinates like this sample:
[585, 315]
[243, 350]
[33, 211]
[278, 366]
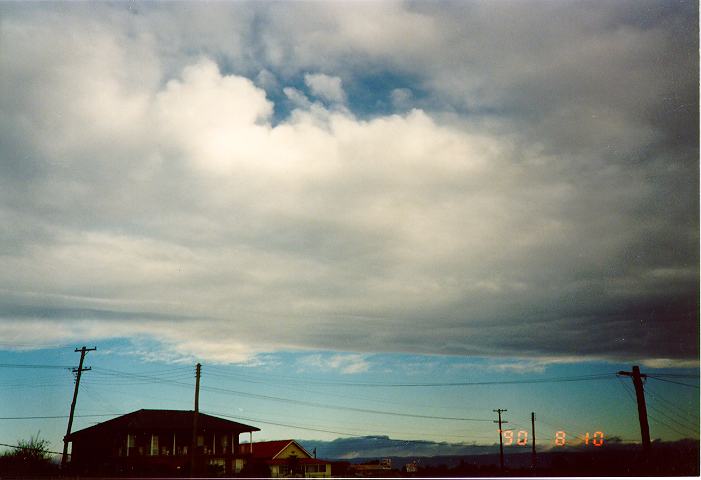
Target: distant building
[158, 442]
[282, 458]
[373, 467]
[411, 467]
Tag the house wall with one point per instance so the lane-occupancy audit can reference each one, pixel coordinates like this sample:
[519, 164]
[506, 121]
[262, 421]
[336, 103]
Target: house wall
[153, 453]
[310, 471]
[291, 451]
[321, 470]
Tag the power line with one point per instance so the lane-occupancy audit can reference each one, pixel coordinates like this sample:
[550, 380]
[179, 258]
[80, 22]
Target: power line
[680, 424]
[284, 425]
[303, 402]
[298, 388]
[37, 345]
[339, 407]
[673, 381]
[24, 365]
[626, 388]
[579, 378]
[657, 420]
[669, 403]
[278, 424]
[669, 410]
[44, 417]
[667, 425]
[675, 375]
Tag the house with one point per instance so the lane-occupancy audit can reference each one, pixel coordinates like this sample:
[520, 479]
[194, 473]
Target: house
[158, 442]
[282, 458]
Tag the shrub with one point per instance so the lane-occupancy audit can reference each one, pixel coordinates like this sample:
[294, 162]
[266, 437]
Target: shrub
[29, 457]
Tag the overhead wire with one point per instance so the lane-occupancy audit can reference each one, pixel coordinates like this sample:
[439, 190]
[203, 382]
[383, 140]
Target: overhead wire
[652, 417]
[27, 365]
[675, 375]
[680, 424]
[303, 402]
[46, 417]
[339, 407]
[288, 425]
[672, 381]
[657, 420]
[340, 395]
[683, 426]
[658, 397]
[578, 378]
[173, 376]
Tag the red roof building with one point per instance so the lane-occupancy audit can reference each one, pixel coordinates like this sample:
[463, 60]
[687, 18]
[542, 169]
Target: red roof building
[283, 458]
[158, 442]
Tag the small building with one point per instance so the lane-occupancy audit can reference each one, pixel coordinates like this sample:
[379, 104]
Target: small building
[379, 467]
[283, 458]
[158, 442]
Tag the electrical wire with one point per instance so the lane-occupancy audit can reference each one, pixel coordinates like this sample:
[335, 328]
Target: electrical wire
[657, 420]
[288, 425]
[669, 403]
[45, 417]
[24, 365]
[681, 425]
[303, 402]
[340, 395]
[579, 378]
[673, 381]
[652, 417]
[675, 375]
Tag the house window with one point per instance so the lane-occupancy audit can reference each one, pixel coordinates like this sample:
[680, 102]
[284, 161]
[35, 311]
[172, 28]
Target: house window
[154, 445]
[131, 444]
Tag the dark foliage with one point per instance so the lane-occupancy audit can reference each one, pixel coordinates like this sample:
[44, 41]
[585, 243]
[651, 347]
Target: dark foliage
[29, 458]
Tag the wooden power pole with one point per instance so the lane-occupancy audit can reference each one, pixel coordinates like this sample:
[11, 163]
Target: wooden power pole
[533, 457]
[193, 444]
[501, 442]
[77, 371]
[642, 409]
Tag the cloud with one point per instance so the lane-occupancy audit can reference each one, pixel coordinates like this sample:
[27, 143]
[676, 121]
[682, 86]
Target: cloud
[344, 363]
[326, 87]
[401, 97]
[536, 205]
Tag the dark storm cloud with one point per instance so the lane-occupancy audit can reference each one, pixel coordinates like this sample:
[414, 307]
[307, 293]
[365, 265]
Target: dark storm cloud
[542, 202]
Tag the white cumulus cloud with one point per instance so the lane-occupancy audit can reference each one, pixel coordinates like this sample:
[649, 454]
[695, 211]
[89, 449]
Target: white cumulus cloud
[326, 87]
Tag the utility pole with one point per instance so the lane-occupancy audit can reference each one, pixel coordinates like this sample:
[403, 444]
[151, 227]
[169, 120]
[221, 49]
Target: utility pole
[642, 410]
[501, 442]
[533, 458]
[78, 371]
[193, 445]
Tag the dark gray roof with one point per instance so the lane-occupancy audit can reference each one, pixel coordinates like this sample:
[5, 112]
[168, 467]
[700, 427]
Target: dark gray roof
[166, 420]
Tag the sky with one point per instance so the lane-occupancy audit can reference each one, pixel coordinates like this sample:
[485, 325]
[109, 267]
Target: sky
[356, 192]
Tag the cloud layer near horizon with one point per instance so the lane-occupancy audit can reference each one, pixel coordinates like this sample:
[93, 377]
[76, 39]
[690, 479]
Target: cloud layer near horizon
[211, 177]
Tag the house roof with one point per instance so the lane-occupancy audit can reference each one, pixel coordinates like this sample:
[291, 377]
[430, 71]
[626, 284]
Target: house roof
[153, 420]
[269, 450]
[300, 461]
